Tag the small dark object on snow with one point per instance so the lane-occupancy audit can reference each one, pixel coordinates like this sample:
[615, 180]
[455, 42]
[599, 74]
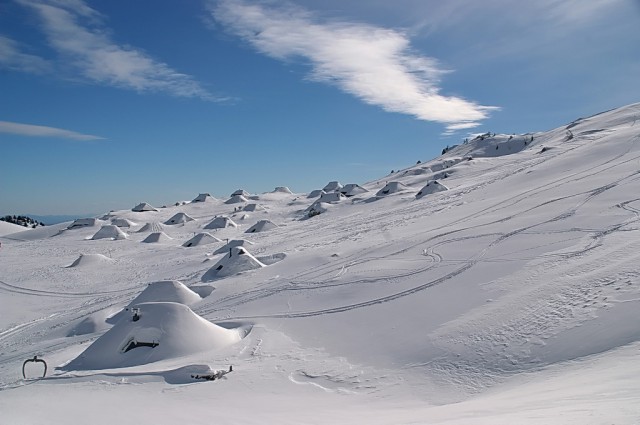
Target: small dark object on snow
[35, 359]
[213, 376]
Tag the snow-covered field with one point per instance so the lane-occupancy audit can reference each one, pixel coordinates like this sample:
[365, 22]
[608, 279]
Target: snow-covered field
[506, 293]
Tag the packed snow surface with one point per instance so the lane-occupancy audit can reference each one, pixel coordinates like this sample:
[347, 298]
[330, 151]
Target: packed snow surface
[512, 297]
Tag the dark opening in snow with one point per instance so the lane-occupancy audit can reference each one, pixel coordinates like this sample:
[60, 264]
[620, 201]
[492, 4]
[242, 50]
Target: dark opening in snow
[135, 344]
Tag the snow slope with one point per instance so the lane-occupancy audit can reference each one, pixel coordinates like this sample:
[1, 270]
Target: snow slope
[510, 298]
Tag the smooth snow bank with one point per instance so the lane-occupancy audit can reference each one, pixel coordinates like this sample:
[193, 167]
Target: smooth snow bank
[237, 261]
[157, 237]
[152, 226]
[90, 260]
[431, 187]
[201, 239]
[9, 228]
[261, 226]
[109, 231]
[179, 218]
[220, 223]
[162, 330]
[167, 291]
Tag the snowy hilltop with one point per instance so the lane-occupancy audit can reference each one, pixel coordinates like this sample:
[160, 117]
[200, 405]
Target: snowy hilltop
[495, 284]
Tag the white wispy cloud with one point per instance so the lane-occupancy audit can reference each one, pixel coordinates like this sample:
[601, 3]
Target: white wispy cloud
[375, 64]
[11, 57]
[43, 131]
[75, 31]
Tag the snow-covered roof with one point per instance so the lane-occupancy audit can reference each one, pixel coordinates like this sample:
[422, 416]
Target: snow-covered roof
[261, 226]
[236, 261]
[220, 223]
[179, 218]
[143, 207]
[201, 239]
[109, 231]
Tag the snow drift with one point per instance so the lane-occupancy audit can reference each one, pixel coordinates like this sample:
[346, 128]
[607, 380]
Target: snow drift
[154, 331]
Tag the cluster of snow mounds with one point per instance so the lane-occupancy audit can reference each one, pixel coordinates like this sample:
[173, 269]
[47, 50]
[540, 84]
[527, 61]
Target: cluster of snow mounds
[109, 231]
[152, 226]
[143, 207]
[261, 226]
[166, 291]
[203, 197]
[90, 260]
[179, 218]
[431, 187]
[220, 223]
[236, 261]
[155, 331]
[157, 237]
[201, 239]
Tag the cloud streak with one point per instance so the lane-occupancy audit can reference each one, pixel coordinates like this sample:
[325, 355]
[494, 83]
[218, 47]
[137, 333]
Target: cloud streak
[376, 65]
[30, 130]
[12, 58]
[75, 32]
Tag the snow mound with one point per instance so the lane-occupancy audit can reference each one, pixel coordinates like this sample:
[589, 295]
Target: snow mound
[317, 208]
[96, 322]
[240, 192]
[203, 197]
[353, 189]
[109, 231]
[237, 261]
[231, 244]
[155, 331]
[179, 218]
[201, 239]
[392, 187]
[143, 207]
[156, 237]
[332, 186]
[316, 193]
[152, 226]
[90, 260]
[83, 222]
[122, 222]
[282, 189]
[236, 199]
[253, 207]
[166, 291]
[431, 187]
[220, 223]
[261, 226]
[331, 197]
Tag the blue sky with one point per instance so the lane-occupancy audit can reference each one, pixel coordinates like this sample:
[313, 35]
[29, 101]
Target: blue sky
[105, 104]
